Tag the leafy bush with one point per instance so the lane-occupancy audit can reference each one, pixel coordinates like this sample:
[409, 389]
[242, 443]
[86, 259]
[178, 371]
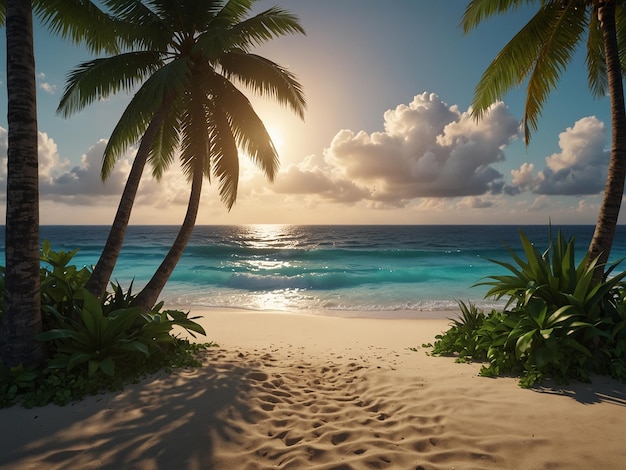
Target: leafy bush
[462, 338]
[95, 345]
[557, 322]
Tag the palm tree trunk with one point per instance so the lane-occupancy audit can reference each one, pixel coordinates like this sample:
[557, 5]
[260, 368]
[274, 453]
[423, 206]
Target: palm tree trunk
[609, 211]
[21, 320]
[146, 299]
[103, 270]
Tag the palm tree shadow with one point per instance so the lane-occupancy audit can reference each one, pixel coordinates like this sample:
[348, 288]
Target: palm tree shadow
[601, 390]
[165, 422]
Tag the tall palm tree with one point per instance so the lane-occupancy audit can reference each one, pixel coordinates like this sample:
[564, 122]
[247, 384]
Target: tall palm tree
[21, 320]
[21, 317]
[539, 53]
[185, 56]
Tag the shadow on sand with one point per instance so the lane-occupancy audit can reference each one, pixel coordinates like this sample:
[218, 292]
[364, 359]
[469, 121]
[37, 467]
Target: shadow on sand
[156, 422]
[600, 390]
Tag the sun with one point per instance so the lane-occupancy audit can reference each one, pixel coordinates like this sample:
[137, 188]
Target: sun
[277, 135]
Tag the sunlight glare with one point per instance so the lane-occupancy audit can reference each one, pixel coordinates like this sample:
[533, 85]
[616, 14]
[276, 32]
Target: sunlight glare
[277, 135]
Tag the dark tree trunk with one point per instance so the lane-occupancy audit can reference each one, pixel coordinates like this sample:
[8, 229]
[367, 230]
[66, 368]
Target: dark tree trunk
[103, 270]
[21, 319]
[150, 294]
[609, 211]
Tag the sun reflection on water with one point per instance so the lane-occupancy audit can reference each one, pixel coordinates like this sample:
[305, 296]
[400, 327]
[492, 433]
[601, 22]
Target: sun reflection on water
[271, 236]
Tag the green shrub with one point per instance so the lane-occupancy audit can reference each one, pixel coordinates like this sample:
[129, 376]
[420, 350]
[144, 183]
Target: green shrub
[462, 338]
[557, 323]
[95, 345]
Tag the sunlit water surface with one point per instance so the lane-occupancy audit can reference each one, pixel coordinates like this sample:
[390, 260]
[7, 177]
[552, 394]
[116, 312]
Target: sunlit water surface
[388, 270]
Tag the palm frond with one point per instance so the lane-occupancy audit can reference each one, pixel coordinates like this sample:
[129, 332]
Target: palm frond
[195, 140]
[562, 28]
[247, 127]
[478, 11]
[222, 35]
[140, 26]
[596, 65]
[207, 133]
[99, 78]
[266, 78]
[620, 24]
[3, 12]
[166, 142]
[221, 15]
[510, 66]
[224, 156]
[267, 25]
[81, 21]
[164, 85]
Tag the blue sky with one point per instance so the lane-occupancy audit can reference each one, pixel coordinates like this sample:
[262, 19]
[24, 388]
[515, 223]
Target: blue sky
[387, 137]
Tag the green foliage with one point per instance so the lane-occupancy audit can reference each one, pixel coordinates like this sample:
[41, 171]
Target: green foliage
[95, 345]
[61, 285]
[96, 340]
[556, 323]
[15, 380]
[462, 338]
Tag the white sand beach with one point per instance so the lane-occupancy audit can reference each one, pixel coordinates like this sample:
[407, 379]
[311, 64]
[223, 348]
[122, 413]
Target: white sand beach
[319, 392]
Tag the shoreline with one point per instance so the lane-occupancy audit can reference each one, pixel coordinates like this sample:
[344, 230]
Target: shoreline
[292, 391]
[400, 314]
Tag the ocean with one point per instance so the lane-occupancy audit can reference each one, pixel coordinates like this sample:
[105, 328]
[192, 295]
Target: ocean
[385, 271]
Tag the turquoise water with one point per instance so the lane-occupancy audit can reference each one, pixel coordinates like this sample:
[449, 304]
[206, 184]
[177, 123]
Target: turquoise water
[389, 270]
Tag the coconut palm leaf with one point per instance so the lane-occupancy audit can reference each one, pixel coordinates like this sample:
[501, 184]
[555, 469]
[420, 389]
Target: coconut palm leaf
[561, 29]
[265, 78]
[81, 21]
[596, 64]
[170, 80]
[99, 78]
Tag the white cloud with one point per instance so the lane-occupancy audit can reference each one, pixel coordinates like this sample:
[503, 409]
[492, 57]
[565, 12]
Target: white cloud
[428, 149]
[474, 202]
[74, 185]
[44, 85]
[523, 178]
[579, 168]
[48, 88]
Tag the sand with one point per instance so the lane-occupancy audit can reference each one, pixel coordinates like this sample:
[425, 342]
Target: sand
[318, 392]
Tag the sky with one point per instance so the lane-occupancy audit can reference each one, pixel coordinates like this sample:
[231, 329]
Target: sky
[387, 137]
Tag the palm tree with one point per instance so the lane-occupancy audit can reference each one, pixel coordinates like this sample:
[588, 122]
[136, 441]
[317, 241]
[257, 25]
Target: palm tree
[21, 320]
[187, 54]
[539, 53]
[21, 315]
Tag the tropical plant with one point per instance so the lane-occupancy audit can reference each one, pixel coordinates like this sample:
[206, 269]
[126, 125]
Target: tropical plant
[554, 277]
[61, 284]
[540, 52]
[185, 55]
[79, 20]
[556, 322]
[95, 339]
[95, 345]
[462, 337]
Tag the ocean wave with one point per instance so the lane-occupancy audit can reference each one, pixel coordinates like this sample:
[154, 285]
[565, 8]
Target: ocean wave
[330, 279]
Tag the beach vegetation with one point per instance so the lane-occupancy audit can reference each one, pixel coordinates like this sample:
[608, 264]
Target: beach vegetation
[185, 67]
[538, 54]
[95, 345]
[557, 322]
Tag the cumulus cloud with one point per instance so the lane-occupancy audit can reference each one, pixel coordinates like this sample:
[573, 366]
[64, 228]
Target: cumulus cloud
[61, 181]
[427, 149]
[46, 86]
[580, 167]
[474, 202]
